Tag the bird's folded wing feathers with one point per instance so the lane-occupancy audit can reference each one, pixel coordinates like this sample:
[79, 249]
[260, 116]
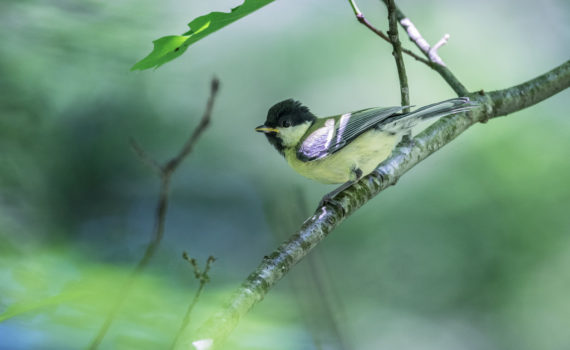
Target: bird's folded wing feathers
[333, 136]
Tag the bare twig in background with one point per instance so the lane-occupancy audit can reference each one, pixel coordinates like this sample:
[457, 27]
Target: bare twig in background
[145, 158]
[435, 62]
[204, 122]
[397, 53]
[276, 265]
[203, 278]
[165, 173]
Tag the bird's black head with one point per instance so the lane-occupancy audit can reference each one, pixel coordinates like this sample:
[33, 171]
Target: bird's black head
[286, 123]
[288, 113]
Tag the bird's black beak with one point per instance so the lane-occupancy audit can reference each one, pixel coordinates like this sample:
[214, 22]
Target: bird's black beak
[266, 129]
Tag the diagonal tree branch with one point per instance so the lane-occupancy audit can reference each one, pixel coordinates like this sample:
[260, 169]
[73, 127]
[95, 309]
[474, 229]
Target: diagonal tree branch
[326, 218]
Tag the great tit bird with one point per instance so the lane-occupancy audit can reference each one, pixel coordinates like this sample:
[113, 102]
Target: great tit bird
[346, 147]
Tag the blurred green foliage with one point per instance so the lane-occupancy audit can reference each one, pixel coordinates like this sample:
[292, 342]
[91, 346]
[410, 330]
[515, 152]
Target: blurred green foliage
[469, 251]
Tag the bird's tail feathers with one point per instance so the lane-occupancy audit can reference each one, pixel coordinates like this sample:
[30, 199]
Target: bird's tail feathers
[418, 120]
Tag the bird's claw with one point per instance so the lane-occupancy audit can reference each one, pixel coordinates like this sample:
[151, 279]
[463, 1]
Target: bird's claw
[330, 201]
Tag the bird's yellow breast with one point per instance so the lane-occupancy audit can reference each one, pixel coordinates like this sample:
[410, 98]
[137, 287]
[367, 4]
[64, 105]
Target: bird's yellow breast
[364, 153]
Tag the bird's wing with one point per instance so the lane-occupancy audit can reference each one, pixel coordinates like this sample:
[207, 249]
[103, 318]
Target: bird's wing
[316, 145]
[338, 132]
[351, 125]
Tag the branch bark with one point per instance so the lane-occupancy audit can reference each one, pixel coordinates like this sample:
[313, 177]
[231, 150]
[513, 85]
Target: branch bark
[326, 218]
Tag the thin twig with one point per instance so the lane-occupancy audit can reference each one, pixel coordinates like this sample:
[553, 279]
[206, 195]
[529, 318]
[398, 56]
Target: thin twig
[435, 62]
[318, 272]
[381, 34]
[397, 53]
[204, 122]
[420, 42]
[144, 157]
[165, 173]
[203, 278]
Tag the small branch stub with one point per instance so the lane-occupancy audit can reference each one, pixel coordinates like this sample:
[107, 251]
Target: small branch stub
[432, 53]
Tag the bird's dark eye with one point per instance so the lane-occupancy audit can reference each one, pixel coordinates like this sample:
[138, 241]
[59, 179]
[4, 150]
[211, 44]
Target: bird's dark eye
[285, 123]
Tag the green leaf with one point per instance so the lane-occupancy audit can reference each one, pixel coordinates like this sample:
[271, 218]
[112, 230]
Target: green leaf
[170, 47]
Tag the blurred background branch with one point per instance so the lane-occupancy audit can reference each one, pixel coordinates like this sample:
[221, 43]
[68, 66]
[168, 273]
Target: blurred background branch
[165, 172]
[203, 278]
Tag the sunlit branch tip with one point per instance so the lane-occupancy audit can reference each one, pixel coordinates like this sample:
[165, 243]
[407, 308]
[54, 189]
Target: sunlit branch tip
[421, 43]
[432, 53]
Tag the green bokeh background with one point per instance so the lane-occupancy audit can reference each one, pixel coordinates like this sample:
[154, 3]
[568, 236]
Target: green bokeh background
[471, 250]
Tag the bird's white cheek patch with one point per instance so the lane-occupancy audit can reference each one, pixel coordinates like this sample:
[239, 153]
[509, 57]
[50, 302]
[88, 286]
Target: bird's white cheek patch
[291, 136]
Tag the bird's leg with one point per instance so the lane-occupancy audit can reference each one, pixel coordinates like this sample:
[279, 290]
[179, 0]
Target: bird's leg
[406, 140]
[329, 197]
